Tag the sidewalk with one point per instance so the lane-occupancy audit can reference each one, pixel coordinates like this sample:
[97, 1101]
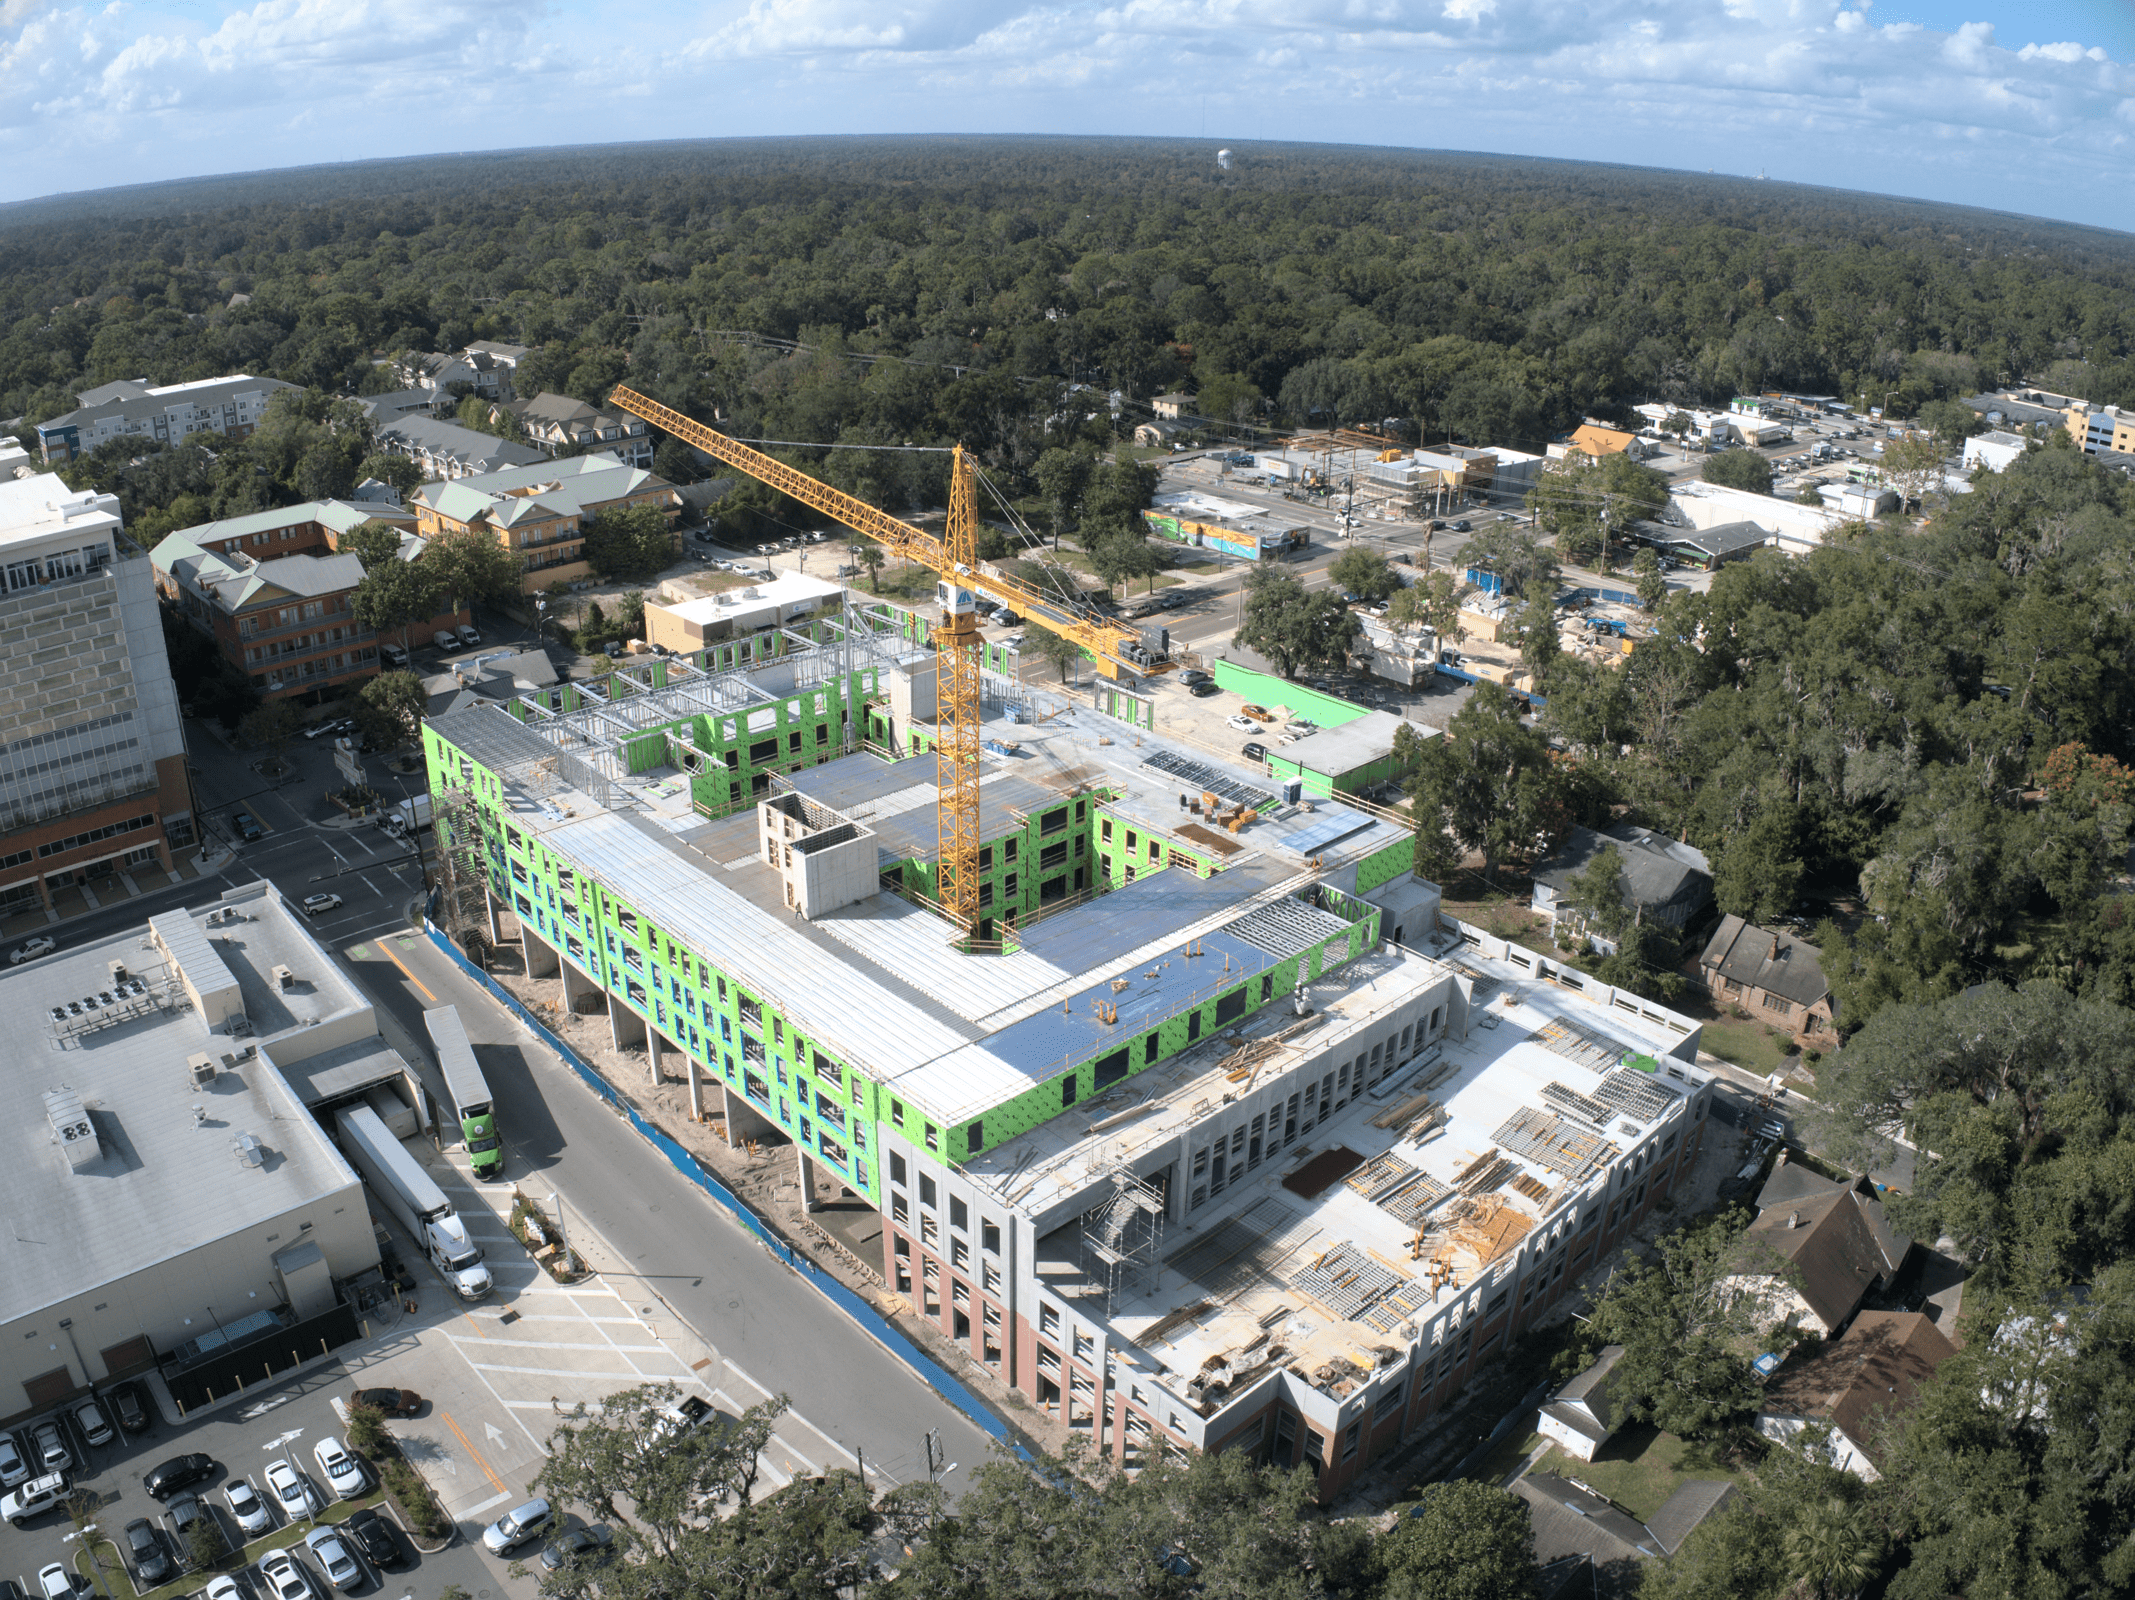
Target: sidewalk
[79, 900]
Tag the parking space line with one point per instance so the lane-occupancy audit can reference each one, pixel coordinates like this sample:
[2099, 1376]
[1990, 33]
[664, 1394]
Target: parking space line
[547, 1372]
[468, 1445]
[559, 1344]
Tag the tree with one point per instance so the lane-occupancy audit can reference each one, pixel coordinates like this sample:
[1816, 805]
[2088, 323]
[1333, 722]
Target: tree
[1678, 423]
[1831, 1549]
[1684, 1315]
[1913, 465]
[205, 1545]
[1123, 556]
[1596, 893]
[1464, 1541]
[1363, 572]
[1488, 781]
[870, 557]
[475, 568]
[1540, 648]
[395, 595]
[1758, 868]
[1062, 477]
[271, 725]
[629, 542]
[402, 474]
[390, 708]
[1652, 583]
[1294, 628]
[1951, 422]
[1739, 469]
[1512, 552]
[1060, 650]
[1567, 504]
[676, 462]
[1432, 601]
[371, 542]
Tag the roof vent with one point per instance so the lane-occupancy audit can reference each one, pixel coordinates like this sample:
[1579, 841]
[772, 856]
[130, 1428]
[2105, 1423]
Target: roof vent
[249, 1150]
[70, 1120]
[1793, 1219]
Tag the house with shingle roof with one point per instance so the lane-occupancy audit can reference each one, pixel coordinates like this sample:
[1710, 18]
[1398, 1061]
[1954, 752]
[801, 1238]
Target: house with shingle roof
[1573, 1523]
[1854, 1384]
[539, 510]
[1776, 976]
[1580, 1415]
[1813, 1257]
[1662, 878]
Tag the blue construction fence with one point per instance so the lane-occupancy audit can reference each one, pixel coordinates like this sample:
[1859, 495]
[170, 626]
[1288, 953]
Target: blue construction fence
[870, 1321]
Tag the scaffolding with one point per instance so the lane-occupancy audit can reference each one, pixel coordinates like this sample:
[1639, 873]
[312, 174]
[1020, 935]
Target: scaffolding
[462, 866]
[1123, 1236]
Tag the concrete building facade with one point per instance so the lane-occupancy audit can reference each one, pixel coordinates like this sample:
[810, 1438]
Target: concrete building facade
[92, 770]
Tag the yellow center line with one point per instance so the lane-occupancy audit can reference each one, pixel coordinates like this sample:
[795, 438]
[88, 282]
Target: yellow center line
[411, 977]
[479, 1334]
[468, 1445]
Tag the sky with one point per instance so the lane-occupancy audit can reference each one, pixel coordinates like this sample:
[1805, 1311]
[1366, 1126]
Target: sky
[2020, 105]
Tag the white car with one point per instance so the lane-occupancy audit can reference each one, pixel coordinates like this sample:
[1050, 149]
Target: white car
[343, 1570]
[225, 1588]
[292, 1491]
[56, 1582]
[284, 1578]
[249, 1510]
[49, 1445]
[13, 1467]
[89, 1417]
[343, 1474]
[316, 903]
[31, 949]
[1245, 724]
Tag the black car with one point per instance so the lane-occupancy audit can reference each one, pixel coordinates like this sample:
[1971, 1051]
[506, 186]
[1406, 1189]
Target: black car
[132, 1414]
[1201, 691]
[369, 1530]
[180, 1472]
[246, 828]
[391, 1402]
[1255, 752]
[151, 1564]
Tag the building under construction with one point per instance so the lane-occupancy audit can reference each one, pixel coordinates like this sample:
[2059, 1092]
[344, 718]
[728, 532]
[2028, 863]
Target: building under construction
[1209, 1131]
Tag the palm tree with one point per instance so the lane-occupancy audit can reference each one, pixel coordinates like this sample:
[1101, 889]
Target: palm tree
[1831, 1550]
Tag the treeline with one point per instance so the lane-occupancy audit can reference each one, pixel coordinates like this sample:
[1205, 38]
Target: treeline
[954, 289]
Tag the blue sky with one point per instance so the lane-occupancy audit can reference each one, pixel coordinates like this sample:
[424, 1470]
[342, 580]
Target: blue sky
[2026, 107]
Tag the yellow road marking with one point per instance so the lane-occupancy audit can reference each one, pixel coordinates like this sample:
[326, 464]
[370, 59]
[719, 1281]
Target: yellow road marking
[411, 977]
[468, 1445]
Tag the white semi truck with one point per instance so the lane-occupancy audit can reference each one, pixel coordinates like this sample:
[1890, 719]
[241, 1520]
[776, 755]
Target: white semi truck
[406, 1190]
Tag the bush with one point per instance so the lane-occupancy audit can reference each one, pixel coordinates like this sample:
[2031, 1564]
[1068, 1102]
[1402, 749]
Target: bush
[413, 1496]
[366, 1432]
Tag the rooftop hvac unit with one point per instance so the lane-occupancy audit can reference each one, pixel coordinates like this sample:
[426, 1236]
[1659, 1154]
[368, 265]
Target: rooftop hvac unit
[283, 977]
[200, 1069]
[249, 1150]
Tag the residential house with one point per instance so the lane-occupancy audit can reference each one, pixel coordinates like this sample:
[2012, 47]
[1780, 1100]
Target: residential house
[1853, 1385]
[560, 424]
[170, 414]
[94, 780]
[1778, 977]
[1573, 1523]
[471, 371]
[1597, 440]
[1818, 1249]
[1156, 435]
[1580, 1415]
[1663, 879]
[273, 591]
[540, 510]
[1174, 407]
[446, 450]
[502, 675]
[386, 408]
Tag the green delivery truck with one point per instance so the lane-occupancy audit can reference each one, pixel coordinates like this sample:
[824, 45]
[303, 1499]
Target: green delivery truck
[467, 1090]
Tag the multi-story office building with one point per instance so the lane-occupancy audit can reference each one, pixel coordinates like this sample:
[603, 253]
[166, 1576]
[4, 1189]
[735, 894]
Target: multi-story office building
[92, 751]
[168, 415]
[1210, 1132]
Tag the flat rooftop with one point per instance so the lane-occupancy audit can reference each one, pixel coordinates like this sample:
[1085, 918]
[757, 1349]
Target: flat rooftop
[1354, 744]
[167, 1177]
[1484, 1139]
[959, 1033]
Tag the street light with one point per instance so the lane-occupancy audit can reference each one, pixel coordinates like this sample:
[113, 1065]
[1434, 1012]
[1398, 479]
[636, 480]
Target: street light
[82, 1534]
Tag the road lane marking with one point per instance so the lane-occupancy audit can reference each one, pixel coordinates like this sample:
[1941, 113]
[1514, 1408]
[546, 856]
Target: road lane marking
[387, 949]
[490, 1504]
[468, 1445]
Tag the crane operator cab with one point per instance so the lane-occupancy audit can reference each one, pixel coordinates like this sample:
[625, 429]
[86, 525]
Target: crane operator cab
[957, 603]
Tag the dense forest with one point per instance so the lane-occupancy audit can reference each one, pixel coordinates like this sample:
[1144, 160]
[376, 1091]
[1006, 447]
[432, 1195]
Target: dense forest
[1929, 721]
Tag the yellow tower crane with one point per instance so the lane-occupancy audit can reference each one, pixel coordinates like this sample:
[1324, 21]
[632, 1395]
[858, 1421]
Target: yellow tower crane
[1117, 651]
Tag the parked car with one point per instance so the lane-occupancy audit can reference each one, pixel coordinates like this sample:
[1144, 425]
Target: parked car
[180, 1472]
[344, 1475]
[247, 1509]
[49, 1446]
[285, 1580]
[391, 1402]
[468, 636]
[34, 1498]
[316, 903]
[224, 1587]
[518, 1528]
[611, 649]
[373, 1537]
[1257, 713]
[184, 1510]
[445, 640]
[56, 1582]
[31, 949]
[1244, 723]
[1201, 691]
[144, 1548]
[342, 1569]
[292, 1491]
[126, 1402]
[14, 1466]
[1769, 1128]
[392, 655]
[581, 1547]
[89, 1417]
[1192, 676]
[242, 823]
[1255, 752]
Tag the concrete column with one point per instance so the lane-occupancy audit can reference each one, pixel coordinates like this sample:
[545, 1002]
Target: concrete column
[726, 1114]
[576, 986]
[625, 1026]
[696, 1089]
[543, 960]
[808, 1200]
[652, 1054]
[489, 914]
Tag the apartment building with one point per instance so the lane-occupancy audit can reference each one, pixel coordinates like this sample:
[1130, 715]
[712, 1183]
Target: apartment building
[446, 450]
[167, 415]
[540, 510]
[1194, 1151]
[92, 750]
[274, 593]
[556, 422]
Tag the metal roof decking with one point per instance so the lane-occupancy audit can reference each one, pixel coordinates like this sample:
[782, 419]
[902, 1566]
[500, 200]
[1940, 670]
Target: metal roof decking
[1282, 928]
[1200, 776]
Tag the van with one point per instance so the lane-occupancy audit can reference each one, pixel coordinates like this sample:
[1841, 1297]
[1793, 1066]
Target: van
[468, 636]
[392, 655]
[518, 1527]
[444, 640]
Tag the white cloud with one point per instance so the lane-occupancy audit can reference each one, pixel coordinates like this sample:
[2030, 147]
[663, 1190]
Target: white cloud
[119, 94]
